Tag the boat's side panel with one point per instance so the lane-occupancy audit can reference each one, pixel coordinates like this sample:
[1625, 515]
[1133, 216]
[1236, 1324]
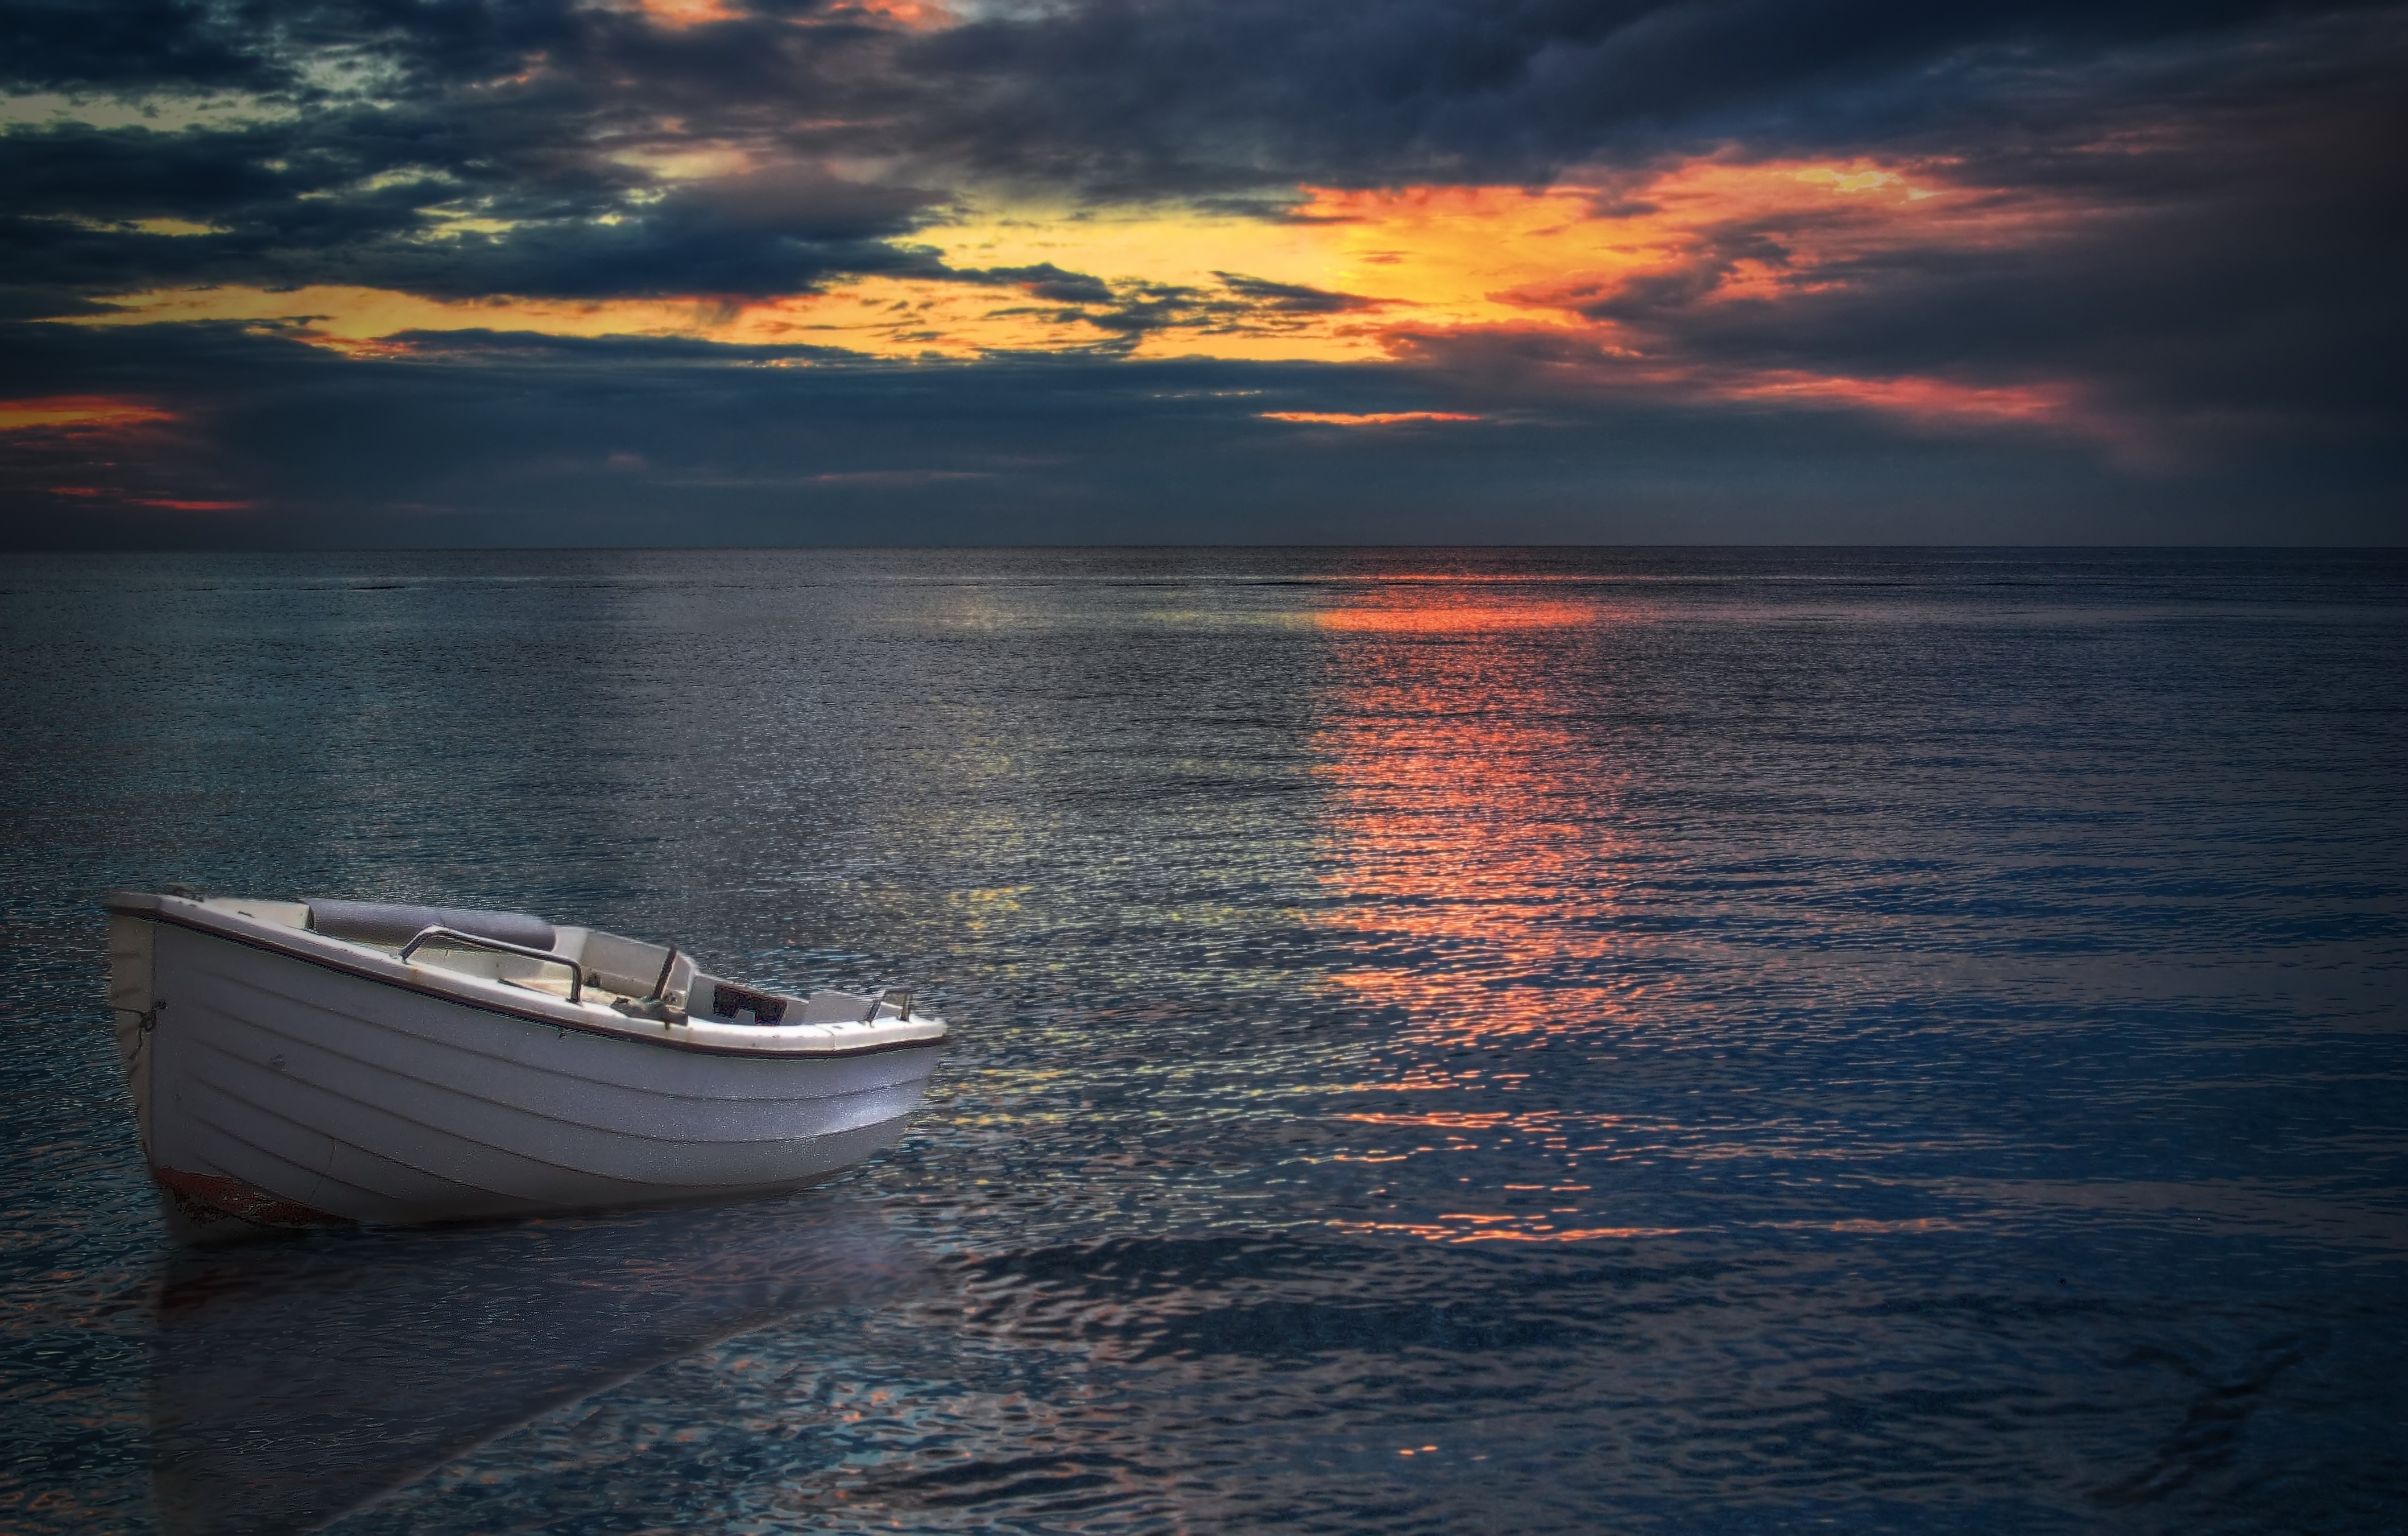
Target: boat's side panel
[378, 1104]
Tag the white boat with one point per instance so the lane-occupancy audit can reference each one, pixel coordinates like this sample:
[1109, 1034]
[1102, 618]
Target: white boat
[314, 1063]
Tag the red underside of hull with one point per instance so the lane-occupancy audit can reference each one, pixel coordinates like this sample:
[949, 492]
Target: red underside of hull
[212, 1197]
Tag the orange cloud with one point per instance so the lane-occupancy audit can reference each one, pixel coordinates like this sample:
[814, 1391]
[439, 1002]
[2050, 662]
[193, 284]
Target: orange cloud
[680, 14]
[677, 15]
[909, 13]
[173, 504]
[87, 412]
[1912, 395]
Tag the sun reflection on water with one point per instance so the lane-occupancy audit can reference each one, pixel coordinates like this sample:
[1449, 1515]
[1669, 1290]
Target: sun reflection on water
[1476, 877]
[1467, 834]
[1408, 610]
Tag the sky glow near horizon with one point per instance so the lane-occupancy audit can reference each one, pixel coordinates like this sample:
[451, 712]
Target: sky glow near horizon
[1677, 261]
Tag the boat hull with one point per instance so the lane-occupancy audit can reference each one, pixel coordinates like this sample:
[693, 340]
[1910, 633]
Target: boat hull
[282, 1092]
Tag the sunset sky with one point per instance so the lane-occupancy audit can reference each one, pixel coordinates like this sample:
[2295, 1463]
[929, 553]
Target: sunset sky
[376, 272]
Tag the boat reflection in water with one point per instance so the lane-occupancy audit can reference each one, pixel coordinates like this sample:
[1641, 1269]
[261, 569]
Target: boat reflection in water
[292, 1384]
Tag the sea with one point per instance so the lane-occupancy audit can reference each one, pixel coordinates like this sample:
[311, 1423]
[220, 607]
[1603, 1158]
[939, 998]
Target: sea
[1515, 1040]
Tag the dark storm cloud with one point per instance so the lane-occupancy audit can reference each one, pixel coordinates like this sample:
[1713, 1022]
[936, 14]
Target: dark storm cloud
[365, 197]
[1127, 310]
[534, 118]
[772, 232]
[376, 130]
[1290, 299]
[67, 44]
[1049, 281]
[1132, 98]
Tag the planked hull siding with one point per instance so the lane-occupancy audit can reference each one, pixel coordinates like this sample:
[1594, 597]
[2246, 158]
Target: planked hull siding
[352, 1099]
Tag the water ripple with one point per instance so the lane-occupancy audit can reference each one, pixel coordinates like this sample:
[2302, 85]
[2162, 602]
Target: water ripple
[1519, 1040]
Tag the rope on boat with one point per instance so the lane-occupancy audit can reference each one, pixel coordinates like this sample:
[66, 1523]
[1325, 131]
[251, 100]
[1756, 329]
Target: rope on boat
[145, 1020]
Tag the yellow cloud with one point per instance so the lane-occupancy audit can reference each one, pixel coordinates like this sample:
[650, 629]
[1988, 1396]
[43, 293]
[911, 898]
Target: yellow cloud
[87, 412]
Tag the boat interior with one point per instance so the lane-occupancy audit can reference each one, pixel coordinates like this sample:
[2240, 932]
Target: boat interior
[629, 975]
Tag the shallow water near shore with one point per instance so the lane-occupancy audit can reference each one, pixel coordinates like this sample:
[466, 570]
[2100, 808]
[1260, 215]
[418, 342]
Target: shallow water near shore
[1681, 1041]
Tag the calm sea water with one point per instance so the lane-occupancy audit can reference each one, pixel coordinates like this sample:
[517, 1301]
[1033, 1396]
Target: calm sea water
[1629, 1041]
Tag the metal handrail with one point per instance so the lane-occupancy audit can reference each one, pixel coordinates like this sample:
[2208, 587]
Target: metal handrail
[500, 946]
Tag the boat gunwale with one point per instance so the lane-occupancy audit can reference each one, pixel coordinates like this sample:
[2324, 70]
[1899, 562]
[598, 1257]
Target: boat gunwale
[407, 982]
